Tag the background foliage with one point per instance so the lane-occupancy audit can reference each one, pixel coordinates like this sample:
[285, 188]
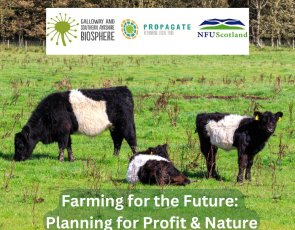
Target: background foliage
[273, 19]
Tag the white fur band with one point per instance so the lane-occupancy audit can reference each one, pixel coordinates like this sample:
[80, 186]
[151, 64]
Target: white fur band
[91, 115]
[221, 133]
[137, 162]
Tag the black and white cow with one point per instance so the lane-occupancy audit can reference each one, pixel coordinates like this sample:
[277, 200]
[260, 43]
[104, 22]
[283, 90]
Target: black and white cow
[154, 167]
[88, 111]
[228, 131]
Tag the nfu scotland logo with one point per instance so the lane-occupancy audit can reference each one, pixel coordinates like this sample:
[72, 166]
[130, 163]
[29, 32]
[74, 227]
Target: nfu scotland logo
[129, 29]
[62, 27]
[222, 24]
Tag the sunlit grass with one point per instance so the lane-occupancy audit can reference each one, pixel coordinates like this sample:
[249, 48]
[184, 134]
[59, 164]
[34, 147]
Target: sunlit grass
[27, 77]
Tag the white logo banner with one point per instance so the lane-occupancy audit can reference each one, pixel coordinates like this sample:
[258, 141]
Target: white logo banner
[147, 31]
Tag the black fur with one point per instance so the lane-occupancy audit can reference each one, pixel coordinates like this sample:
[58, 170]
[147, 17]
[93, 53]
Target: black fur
[160, 150]
[160, 172]
[249, 139]
[54, 121]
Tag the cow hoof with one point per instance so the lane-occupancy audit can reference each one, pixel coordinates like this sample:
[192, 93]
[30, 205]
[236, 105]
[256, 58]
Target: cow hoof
[134, 150]
[214, 176]
[116, 152]
[71, 158]
[61, 158]
[240, 179]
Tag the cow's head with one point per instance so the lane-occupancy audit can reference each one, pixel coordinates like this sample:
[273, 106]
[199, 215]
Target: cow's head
[160, 150]
[267, 121]
[23, 144]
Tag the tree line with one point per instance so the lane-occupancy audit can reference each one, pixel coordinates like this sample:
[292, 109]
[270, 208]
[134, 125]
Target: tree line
[272, 19]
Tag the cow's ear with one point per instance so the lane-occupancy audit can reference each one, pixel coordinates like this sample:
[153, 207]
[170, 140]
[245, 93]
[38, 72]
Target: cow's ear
[150, 151]
[257, 115]
[165, 146]
[279, 116]
[27, 131]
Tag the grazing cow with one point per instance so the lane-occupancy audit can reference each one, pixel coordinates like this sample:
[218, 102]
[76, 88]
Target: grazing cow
[228, 131]
[87, 111]
[154, 167]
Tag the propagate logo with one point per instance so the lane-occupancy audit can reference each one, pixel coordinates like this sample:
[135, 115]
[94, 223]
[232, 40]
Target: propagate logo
[129, 29]
[222, 24]
[62, 27]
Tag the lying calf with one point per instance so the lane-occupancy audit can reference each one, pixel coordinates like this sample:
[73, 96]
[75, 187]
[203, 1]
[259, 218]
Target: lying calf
[228, 131]
[154, 167]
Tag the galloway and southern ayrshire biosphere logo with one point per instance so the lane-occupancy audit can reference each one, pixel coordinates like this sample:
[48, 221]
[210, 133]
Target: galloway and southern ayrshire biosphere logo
[222, 24]
[129, 29]
[62, 27]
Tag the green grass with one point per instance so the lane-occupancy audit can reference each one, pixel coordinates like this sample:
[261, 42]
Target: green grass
[30, 76]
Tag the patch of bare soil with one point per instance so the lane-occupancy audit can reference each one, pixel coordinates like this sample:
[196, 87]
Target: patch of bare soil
[209, 96]
[224, 97]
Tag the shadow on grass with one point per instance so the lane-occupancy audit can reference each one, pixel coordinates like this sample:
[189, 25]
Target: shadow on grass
[9, 157]
[120, 180]
[203, 175]
[38, 156]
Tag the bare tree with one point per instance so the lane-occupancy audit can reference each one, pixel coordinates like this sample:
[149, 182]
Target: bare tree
[258, 6]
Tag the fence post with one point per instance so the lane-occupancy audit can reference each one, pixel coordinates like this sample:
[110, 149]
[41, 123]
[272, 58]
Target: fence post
[277, 43]
[293, 43]
[26, 44]
[8, 43]
[43, 44]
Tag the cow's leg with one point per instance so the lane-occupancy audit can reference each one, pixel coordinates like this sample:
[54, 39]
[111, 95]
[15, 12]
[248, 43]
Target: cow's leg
[180, 180]
[62, 144]
[117, 139]
[129, 133]
[243, 162]
[249, 166]
[211, 162]
[61, 156]
[209, 152]
[70, 151]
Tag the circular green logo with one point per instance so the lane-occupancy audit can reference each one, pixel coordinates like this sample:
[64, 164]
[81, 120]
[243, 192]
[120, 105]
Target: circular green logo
[129, 29]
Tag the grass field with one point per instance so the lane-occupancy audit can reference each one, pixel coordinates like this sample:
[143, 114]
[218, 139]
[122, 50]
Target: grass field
[192, 84]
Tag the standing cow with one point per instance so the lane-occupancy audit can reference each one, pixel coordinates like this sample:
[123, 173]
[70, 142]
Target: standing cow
[89, 112]
[228, 131]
